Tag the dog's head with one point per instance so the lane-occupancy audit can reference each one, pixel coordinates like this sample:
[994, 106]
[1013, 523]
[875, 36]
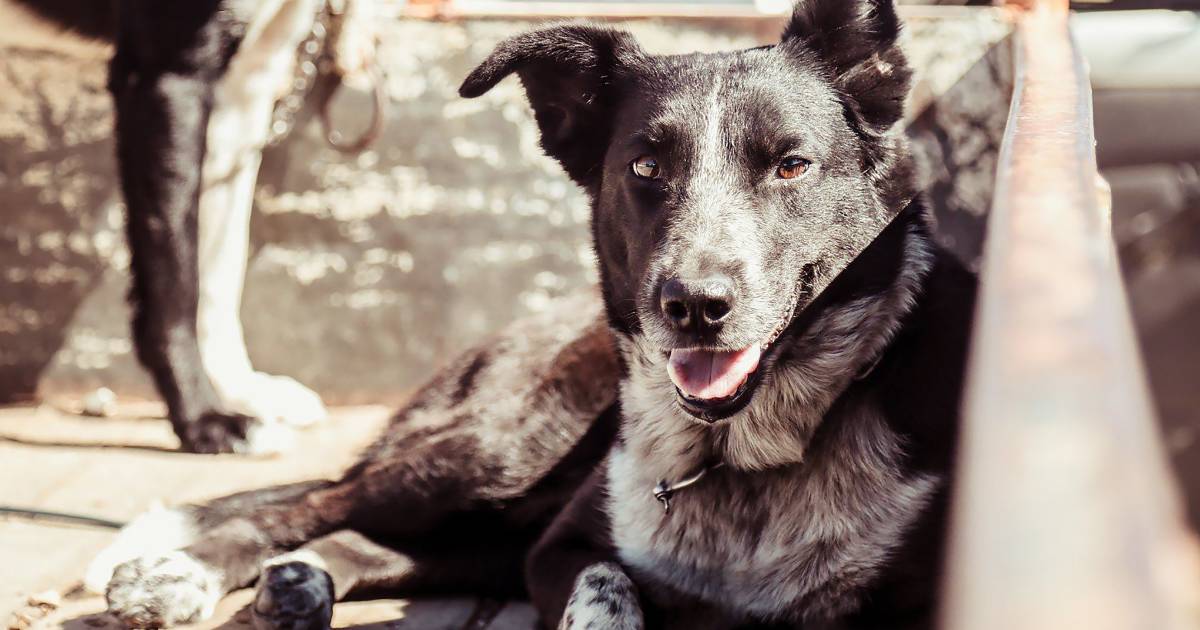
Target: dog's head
[728, 189]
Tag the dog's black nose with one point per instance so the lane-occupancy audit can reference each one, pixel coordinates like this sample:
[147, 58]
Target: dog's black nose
[697, 305]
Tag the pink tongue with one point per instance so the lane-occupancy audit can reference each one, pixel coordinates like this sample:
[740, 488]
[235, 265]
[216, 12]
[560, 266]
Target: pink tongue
[706, 375]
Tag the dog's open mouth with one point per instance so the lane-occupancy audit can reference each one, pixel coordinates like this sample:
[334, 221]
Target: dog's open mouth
[715, 384]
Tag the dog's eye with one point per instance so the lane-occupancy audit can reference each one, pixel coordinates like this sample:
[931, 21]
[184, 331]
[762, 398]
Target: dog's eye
[645, 167]
[792, 167]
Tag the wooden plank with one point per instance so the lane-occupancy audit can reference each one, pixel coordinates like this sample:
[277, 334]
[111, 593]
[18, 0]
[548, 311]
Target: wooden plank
[117, 467]
[1065, 513]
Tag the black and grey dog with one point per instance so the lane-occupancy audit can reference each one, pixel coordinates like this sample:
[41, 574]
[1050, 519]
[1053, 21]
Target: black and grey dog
[756, 428]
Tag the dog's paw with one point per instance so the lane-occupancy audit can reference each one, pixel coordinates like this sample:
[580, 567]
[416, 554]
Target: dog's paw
[235, 433]
[156, 531]
[163, 590]
[294, 593]
[274, 399]
[604, 598]
[217, 432]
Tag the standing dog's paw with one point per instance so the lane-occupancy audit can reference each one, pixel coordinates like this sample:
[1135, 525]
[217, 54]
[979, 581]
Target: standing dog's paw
[604, 598]
[217, 432]
[162, 591]
[294, 593]
[236, 433]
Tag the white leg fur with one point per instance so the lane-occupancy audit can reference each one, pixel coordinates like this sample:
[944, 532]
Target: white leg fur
[157, 531]
[237, 131]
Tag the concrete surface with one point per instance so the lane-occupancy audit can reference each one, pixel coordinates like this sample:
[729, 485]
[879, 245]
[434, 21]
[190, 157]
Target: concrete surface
[116, 468]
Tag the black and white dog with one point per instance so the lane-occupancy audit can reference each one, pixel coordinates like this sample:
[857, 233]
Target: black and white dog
[756, 427]
[194, 85]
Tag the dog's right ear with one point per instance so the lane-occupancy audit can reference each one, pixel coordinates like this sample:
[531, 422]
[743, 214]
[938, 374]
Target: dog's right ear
[567, 71]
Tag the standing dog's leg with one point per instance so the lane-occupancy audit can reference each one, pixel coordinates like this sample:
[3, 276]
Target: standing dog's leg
[573, 578]
[237, 131]
[168, 57]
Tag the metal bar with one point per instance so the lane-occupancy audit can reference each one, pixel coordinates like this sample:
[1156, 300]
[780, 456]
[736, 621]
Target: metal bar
[1065, 513]
[461, 9]
[51, 516]
[484, 8]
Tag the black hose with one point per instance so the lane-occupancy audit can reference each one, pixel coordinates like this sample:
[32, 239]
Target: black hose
[61, 517]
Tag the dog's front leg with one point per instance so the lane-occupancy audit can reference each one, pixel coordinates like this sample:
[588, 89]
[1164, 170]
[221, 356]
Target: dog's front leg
[168, 56]
[573, 578]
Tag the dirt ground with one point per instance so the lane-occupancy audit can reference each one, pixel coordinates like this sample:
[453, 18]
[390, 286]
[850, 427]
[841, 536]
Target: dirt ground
[116, 467]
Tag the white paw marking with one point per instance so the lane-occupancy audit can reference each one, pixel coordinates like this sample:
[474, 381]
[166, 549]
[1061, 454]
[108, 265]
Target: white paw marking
[604, 598]
[274, 399]
[154, 532]
[163, 590]
[268, 439]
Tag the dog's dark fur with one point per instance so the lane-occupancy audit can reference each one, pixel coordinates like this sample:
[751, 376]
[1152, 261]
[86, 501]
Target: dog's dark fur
[169, 56]
[828, 508]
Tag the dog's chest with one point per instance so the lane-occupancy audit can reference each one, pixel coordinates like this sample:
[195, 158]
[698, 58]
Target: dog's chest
[799, 544]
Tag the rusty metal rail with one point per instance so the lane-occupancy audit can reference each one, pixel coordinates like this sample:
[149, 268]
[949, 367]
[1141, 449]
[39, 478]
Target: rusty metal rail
[485, 8]
[1065, 515]
[630, 9]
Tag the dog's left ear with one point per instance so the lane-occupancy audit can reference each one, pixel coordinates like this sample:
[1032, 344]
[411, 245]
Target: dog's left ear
[857, 41]
[568, 72]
